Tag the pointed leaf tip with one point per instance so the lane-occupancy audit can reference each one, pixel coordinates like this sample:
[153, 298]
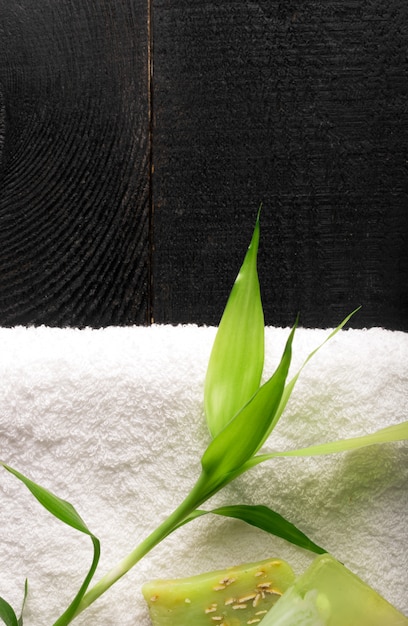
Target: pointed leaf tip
[274, 523]
[237, 357]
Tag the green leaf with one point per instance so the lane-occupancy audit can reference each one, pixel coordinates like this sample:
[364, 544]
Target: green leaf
[265, 519]
[237, 357]
[70, 612]
[247, 431]
[64, 511]
[7, 614]
[61, 509]
[389, 434]
[290, 386]
[20, 619]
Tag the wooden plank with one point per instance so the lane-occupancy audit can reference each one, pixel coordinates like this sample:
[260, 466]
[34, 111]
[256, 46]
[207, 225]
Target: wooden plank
[74, 151]
[300, 105]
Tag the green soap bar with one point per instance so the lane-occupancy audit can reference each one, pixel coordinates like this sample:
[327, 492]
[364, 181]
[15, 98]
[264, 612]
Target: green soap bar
[328, 594]
[236, 596]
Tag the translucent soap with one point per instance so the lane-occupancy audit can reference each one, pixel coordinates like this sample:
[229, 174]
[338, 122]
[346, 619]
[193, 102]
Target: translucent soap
[236, 596]
[329, 594]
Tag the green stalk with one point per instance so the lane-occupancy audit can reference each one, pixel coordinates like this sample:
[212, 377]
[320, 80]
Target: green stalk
[221, 463]
[201, 491]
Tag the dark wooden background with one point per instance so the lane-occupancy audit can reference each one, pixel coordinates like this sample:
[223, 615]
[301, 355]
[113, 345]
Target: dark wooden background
[138, 137]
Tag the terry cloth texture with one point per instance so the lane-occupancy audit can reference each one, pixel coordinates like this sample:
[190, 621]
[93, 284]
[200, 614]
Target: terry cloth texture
[112, 421]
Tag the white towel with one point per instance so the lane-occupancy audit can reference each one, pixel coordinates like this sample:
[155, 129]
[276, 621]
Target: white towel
[112, 420]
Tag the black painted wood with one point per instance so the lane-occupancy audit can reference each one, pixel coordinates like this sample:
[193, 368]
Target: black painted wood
[74, 146]
[300, 105]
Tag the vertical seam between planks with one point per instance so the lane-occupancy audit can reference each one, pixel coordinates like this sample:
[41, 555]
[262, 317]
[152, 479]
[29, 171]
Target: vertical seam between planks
[150, 303]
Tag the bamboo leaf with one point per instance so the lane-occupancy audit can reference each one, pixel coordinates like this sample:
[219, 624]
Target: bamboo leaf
[20, 619]
[291, 384]
[237, 357]
[64, 511]
[265, 519]
[61, 509]
[7, 614]
[247, 431]
[71, 611]
[389, 434]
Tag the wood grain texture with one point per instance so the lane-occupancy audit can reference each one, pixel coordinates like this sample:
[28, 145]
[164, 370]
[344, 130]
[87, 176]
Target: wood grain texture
[300, 105]
[74, 159]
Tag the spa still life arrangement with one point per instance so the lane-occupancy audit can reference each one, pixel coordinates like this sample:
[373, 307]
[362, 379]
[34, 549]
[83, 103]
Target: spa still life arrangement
[241, 411]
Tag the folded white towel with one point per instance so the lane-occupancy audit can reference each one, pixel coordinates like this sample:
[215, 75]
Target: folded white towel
[112, 420]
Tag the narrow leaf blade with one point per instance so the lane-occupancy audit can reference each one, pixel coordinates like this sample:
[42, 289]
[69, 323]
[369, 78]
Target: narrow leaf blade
[65, 512]
[20, 619]
[70, 612]
[247, 431]
[61, 509]
[291, 384]
[7, 614]
[266, 519]
[389, 434]
[237, 357]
